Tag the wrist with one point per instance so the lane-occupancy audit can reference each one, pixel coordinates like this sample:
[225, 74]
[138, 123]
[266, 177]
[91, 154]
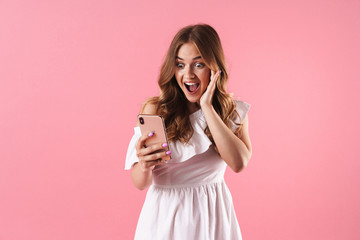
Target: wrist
[207, 108]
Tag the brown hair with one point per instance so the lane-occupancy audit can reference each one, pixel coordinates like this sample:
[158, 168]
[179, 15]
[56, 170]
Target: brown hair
[170, 104]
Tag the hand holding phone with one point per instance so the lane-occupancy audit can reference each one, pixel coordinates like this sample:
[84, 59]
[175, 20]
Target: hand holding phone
[154, 124]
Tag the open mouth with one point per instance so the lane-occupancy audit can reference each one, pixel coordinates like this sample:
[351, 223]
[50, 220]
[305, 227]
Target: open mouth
[192, 87]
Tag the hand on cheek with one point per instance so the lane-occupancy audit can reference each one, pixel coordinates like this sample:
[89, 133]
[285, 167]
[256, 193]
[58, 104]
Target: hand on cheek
[206, 98]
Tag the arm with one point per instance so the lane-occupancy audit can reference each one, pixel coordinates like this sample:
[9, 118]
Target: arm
[141, 172]
[235, 150]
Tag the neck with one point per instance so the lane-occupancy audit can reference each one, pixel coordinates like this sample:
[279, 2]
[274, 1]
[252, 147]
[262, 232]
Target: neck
[193, 107]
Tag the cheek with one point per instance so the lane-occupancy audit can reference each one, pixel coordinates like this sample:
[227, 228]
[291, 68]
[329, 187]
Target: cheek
[205, 78]
[177, 74]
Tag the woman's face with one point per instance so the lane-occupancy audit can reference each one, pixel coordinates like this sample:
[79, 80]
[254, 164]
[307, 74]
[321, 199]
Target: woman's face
[191, 73]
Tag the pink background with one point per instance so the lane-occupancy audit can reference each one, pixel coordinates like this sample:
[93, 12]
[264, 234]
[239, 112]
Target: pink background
[73, 76]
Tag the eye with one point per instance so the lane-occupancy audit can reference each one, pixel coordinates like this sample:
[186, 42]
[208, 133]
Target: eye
[180, 65]
[199, 65]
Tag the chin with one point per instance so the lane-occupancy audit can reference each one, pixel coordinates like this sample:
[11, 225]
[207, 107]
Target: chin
[193, 100]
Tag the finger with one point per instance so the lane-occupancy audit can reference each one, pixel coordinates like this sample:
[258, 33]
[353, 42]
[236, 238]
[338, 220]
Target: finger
[141, 142]
[153, 148]
[154, 156]
[149, 165]
[212, 83]
[217, 77]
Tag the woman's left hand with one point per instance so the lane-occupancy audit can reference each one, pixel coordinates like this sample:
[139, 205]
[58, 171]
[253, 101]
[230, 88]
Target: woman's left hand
[207, 97]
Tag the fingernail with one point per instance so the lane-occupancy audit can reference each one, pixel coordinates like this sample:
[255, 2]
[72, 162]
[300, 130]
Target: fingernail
[168, 152]
[151, 134]
[164, 145]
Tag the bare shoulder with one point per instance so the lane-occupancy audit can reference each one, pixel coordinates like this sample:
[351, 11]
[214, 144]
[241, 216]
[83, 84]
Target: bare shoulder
[150, 106]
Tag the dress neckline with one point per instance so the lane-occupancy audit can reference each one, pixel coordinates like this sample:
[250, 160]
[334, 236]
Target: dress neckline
[196, 113]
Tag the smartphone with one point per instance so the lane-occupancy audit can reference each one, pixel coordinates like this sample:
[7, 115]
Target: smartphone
[154, 123]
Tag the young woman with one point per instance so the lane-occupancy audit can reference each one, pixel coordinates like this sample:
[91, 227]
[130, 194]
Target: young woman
[207, 130]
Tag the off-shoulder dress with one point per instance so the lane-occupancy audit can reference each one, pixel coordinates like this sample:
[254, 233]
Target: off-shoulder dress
[189, 198]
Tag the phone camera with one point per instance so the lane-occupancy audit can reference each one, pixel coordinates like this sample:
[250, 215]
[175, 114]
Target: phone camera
[141, 120]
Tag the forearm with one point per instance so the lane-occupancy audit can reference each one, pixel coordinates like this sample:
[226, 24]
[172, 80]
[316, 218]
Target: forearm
[140, 178]
[231, 148]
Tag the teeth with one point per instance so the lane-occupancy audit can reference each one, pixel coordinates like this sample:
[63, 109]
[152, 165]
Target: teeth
[192, 86]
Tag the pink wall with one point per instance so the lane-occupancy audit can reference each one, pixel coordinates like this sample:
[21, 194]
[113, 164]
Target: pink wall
[73, 75]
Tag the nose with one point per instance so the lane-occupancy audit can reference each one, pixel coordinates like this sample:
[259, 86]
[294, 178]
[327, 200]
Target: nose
[189, 72]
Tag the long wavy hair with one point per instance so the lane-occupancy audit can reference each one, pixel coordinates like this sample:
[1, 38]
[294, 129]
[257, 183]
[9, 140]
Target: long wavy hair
[171, 103]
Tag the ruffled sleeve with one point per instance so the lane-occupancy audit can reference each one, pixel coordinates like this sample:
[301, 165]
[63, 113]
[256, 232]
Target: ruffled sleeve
[198, 143]
[131, 157]
[242, 108]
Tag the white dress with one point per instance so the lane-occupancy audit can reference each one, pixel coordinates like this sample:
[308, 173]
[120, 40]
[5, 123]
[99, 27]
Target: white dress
[188, 198]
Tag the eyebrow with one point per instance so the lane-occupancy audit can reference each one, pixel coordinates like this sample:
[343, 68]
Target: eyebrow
[198, 57]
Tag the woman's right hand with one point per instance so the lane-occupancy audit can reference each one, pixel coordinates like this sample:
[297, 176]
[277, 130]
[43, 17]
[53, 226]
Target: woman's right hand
[152, 155]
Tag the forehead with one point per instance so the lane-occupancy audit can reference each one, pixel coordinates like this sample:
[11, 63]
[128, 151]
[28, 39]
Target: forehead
[188, 51]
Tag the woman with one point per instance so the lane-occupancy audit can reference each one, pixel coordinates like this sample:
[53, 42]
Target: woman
[207, 131]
